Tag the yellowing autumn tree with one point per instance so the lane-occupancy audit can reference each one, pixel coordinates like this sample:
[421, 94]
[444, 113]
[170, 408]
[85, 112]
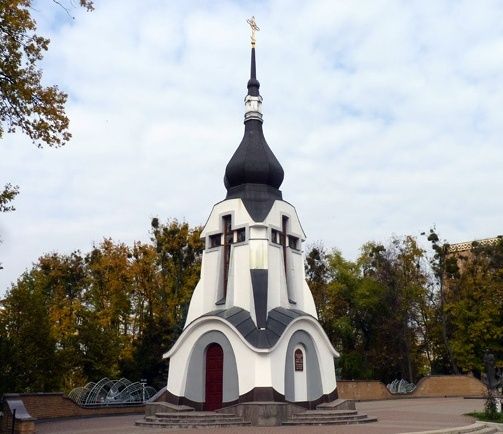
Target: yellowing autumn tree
[112, 312]
[25, 103]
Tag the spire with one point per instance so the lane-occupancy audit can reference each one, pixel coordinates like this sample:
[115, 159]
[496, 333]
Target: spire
[253, 83]
[253, 173]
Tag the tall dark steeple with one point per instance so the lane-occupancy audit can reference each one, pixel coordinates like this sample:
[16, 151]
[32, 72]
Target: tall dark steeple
[253, 173]
[253, 83]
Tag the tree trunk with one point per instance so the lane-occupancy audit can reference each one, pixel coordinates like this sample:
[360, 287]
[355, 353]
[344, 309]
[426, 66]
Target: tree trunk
[444, 329]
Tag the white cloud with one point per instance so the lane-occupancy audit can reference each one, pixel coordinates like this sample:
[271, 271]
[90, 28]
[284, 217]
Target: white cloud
[386, 116]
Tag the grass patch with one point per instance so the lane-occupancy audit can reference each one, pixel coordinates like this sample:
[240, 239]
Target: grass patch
[480, 415]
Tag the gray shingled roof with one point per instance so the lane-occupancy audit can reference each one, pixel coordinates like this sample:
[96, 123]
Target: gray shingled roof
[277, 321]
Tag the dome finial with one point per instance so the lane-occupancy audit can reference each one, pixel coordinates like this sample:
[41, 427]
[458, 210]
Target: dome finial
[254, 28]
[253, 100]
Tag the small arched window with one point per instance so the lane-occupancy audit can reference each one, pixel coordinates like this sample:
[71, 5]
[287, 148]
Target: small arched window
[299, 360]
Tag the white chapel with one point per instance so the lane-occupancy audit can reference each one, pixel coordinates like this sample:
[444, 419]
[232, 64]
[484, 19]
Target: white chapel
[252, 332]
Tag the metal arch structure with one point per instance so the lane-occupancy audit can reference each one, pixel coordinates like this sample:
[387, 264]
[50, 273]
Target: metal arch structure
[108, 392]
[401, 386]
[78, 394]
[118, 386]
[133, 393]
[98, 393]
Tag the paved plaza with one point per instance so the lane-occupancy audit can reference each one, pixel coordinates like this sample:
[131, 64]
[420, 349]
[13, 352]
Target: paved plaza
[395, 416]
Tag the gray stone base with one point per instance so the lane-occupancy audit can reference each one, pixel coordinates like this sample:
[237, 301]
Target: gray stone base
[151, 408]
[264, 413]
[338, 404]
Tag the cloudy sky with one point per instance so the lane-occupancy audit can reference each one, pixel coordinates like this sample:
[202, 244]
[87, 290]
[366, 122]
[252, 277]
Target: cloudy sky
[386, 116]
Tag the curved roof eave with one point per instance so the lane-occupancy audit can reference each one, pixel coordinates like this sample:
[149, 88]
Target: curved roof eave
[204, 319]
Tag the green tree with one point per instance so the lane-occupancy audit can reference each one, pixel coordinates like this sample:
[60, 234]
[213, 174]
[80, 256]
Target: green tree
[107, 326]
[335, 284]
[339, 289]
[317, 274]
[111, 312]
[178, 249]
[7, 195]
[146, 286]
[63, 281]
[30, 363]
[443, 268]
[398, 269]
[474, 302]
[373, 309]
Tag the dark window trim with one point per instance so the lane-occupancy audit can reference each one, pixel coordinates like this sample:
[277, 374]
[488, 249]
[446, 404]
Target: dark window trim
[239, 231]
[296, 247]
[284, 239]
[276, 237]
[227, 232]
[214, 237]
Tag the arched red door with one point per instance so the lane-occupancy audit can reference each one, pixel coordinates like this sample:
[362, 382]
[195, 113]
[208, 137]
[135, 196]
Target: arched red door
[214, 377]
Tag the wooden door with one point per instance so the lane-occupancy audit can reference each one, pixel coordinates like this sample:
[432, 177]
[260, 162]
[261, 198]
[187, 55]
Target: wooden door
[214, 377]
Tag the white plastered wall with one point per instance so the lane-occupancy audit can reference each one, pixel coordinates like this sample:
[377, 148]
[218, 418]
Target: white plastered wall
[258, 251]
[324, 351]
[256, 367]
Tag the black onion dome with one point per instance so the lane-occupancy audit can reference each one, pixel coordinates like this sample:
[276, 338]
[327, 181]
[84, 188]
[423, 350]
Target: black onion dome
[254, 174]
[253, 162]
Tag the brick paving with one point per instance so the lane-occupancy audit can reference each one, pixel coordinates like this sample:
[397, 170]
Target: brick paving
[395, 416]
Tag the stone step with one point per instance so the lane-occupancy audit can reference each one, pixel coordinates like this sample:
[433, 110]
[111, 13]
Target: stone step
[192, 419]
[341, 404]
[190, 424]
[189, 414]
[329, 421]
[329, 411]
[328, 417]
[166, 406]
[193, 415]
[325, 414]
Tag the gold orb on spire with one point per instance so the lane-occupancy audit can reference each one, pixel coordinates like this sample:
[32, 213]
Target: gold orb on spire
[254, 28]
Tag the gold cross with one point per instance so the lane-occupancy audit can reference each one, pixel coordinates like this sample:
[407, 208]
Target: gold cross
[254, 28]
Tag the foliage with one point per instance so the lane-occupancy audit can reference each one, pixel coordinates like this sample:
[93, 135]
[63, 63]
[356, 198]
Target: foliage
[397, 274]
[443, 269]
[7, 195]
[30, 362]
[489, 414]
[373, 309]
[396, 313]
[391, 313]
[25, 103]
[474, 301]
[111, 312]
[490, 406]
